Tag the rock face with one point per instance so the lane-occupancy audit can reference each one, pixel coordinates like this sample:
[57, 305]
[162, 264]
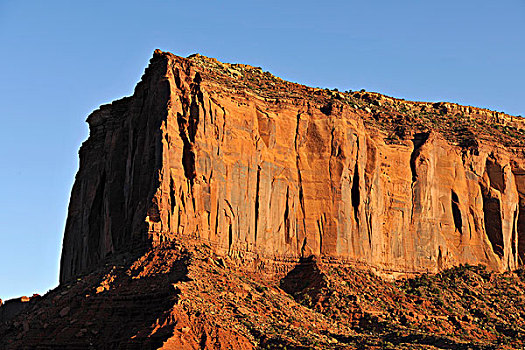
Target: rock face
[117, 176]
[264, 170]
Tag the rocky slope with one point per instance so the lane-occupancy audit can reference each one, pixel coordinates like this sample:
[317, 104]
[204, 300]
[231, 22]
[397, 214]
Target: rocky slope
[184, 296]
[270, 171]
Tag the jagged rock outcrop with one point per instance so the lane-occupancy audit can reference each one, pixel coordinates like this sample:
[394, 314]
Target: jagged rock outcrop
[265, 171]
[13, 307]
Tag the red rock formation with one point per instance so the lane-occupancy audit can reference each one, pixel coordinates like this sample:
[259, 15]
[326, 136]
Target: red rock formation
[265, 170]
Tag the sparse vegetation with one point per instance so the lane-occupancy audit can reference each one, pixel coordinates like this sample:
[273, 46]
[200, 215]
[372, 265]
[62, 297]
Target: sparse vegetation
[461, 125]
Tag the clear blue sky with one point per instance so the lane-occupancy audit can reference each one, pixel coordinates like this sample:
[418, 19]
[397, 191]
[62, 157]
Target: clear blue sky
[59, 60]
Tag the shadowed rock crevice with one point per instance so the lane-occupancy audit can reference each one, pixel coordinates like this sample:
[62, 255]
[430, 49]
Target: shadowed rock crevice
[193, 121]
[188, 156]
[96, 221]
[355, 193]
[493, 224]
[520, 228]
[320, 231]
[230, 238]
[456, 213]
[519, 177]
[286, 219]
[514, 234]
[496, 176]
[256, 205]
[418, 141]
[173, 200]
[188, 125]
[196, 100]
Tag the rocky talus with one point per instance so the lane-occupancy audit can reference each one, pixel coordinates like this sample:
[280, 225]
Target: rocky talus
[184, 296]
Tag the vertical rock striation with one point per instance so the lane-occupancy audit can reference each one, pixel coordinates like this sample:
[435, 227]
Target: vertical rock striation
[262, 169]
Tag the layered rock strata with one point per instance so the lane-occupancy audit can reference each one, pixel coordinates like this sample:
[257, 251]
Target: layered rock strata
[266, 171]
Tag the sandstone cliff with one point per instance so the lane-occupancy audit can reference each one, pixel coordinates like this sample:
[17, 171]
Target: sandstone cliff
[268, 171]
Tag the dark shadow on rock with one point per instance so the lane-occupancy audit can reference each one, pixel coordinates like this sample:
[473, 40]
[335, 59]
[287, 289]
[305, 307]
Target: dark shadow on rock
[305, 281]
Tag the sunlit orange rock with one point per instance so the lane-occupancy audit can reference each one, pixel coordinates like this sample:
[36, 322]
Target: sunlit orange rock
[269, 171]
